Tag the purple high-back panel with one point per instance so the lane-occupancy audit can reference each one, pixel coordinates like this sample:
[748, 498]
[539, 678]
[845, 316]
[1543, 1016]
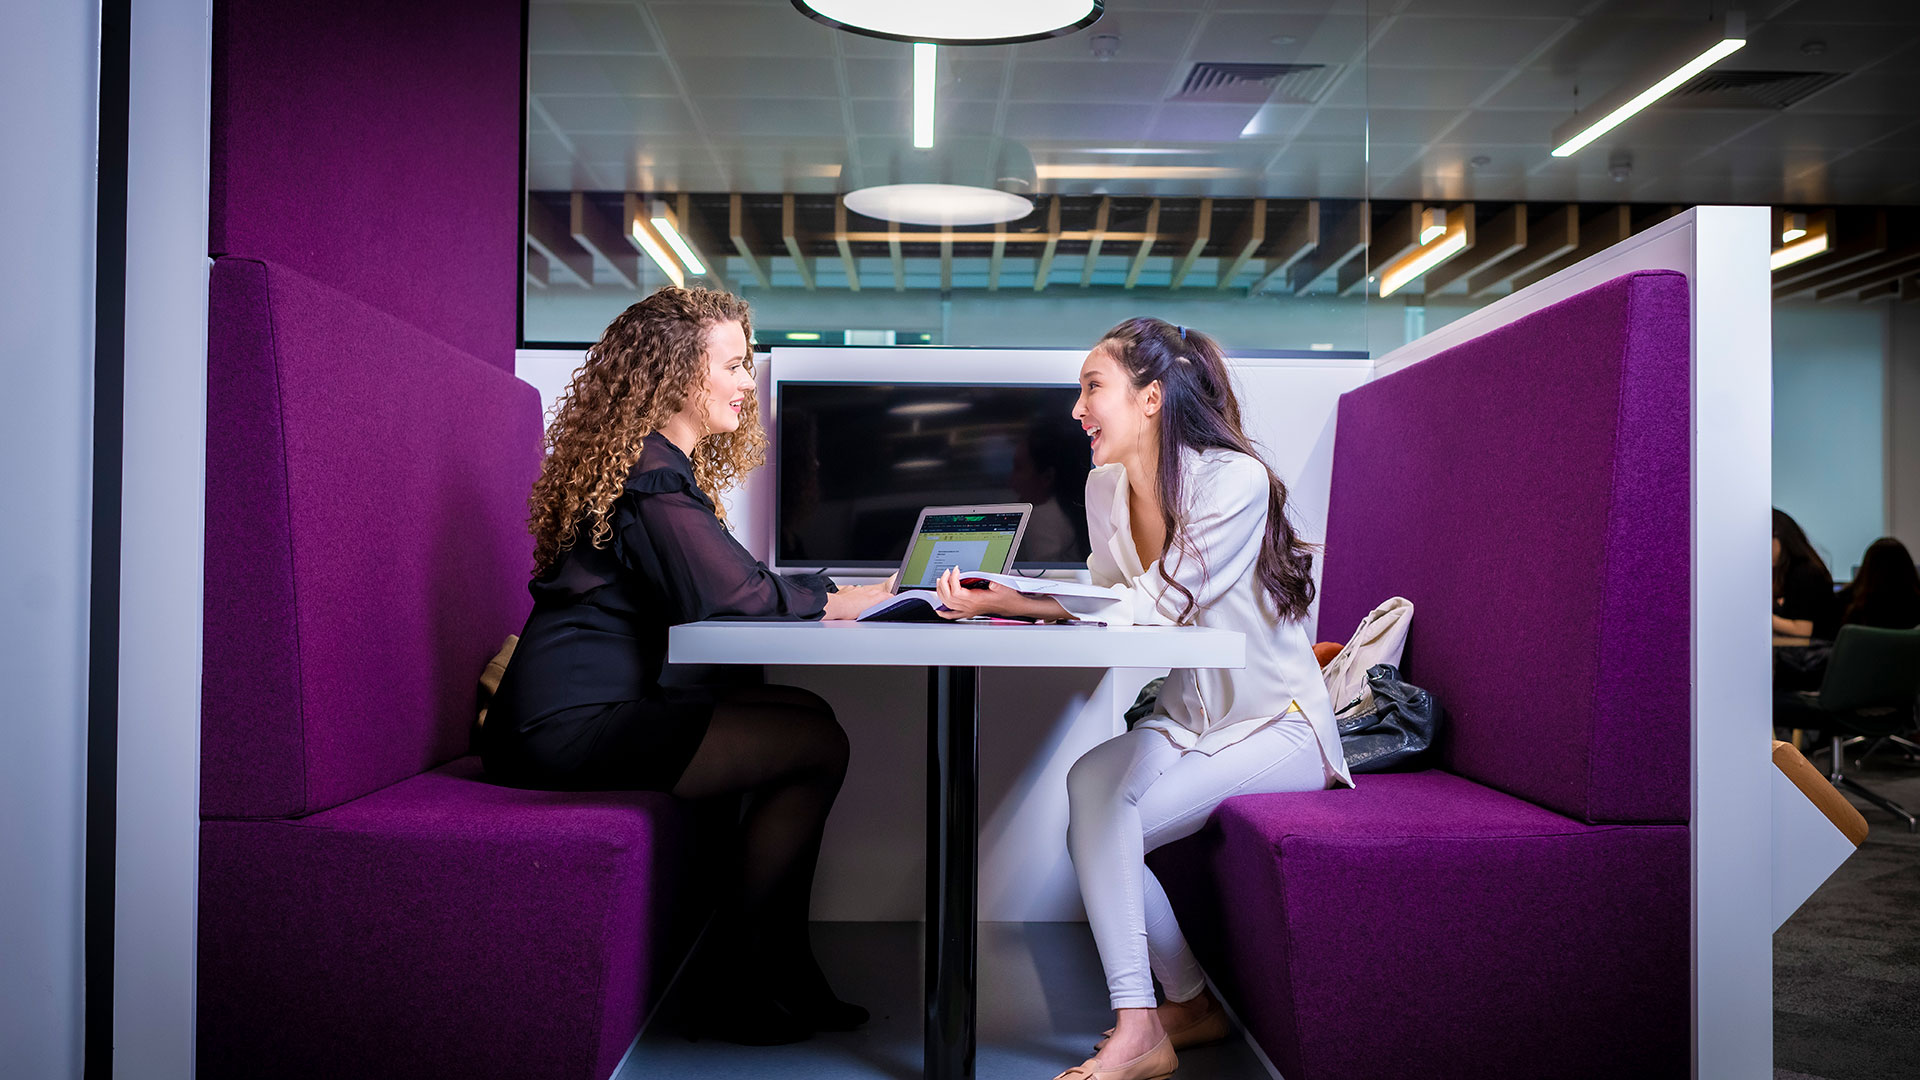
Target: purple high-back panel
[1528, 491]
[375, 147]
[367, 548]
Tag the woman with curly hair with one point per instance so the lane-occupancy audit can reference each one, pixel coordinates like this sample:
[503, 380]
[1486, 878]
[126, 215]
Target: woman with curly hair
[1188, 527]
[630, 540]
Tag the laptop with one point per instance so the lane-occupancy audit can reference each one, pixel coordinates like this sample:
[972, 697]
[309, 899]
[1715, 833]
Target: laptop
[982, 537]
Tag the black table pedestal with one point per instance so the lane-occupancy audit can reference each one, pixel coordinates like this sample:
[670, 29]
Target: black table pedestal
[953, 878]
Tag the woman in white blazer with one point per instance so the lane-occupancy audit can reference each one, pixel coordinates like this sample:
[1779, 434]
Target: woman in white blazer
[1189, 527]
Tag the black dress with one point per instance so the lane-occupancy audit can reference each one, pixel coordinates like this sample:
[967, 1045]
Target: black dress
[581, 705]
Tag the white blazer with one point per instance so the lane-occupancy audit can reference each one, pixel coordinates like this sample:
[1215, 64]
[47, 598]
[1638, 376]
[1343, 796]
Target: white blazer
[1207, 709]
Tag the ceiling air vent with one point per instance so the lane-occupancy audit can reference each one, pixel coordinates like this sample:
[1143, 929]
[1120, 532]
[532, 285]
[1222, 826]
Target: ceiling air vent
[1255, 84]
[1751, 89]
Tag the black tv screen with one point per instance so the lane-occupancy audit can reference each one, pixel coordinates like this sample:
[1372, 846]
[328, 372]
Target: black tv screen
[858, 461]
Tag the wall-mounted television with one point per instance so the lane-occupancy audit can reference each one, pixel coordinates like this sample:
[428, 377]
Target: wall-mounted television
[858, 460]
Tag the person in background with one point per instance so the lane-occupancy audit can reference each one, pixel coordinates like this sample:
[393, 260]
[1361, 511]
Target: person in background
[630, 539]
[1886, 591]
[1802, 586]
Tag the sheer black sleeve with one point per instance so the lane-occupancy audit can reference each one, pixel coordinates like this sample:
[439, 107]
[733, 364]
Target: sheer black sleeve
[672, 539]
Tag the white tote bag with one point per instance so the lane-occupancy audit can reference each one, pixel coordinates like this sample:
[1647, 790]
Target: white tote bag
[1381, 638]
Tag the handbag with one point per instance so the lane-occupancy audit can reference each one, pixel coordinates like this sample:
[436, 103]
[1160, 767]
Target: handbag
[1399, 726]
[1380, 639]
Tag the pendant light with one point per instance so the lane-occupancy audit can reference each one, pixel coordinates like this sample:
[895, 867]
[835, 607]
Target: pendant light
[955, 22]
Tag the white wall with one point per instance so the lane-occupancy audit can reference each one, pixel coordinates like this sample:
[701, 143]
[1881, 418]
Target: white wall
[48, 75]
[1829, 425]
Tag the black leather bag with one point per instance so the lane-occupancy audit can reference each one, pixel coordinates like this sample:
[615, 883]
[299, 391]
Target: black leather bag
[1396, 731]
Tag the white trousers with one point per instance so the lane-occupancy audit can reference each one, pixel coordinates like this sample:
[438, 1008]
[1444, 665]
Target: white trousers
[1135, 792]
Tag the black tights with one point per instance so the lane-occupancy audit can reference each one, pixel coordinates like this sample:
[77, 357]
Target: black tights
[783, 747]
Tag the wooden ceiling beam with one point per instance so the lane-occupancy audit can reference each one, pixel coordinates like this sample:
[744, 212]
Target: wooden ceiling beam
[846, 247]
[548, 235]
[790, 234]
[946, 261]
[899, 262]
[1504, 237]
[607, 242]
[1863, 240]
[536, 268]
[746, 241]
[1043, 269]
[1146, 244]
[1872, 274]
[1246, 240]
[1550, 239]
[1398, 236]
[1095, 238]
[1196, 243]
[1346, 237]
[1300, 239]
[1910, 290]
[1599, 233]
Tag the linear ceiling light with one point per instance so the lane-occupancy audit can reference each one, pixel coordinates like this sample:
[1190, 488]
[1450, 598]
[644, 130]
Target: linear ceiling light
[667, 229]
[1694, 57]
[649, 242]
[1414, 263]
[943, 22]
[924, 56]
[1806, 247]
[1433, 224]
[1792, 227]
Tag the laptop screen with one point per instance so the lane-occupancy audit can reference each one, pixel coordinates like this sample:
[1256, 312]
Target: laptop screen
[968, 541]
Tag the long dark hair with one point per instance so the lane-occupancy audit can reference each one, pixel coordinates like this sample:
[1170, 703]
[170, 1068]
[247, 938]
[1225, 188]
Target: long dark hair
[1887, 589]
[1199, 412]
[1795, 551]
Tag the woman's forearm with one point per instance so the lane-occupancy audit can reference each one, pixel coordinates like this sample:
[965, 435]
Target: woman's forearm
[1792, 627]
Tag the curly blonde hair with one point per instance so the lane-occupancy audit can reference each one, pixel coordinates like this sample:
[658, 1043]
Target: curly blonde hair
[636, 377]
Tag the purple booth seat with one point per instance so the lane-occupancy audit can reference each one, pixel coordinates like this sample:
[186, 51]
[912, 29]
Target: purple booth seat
[368, 905]
[1523, 911]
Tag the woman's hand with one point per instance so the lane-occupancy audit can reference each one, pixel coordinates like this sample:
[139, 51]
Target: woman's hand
[964, 603]
[849, 602]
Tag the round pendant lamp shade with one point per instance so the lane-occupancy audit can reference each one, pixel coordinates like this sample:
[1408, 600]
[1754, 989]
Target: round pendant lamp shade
[967, 180]
[955, 22]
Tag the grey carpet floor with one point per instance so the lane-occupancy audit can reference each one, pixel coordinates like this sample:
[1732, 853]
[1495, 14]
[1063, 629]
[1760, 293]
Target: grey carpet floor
[1846, 966]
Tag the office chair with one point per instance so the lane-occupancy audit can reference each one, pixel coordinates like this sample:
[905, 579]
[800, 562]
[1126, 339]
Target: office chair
[1870, 690]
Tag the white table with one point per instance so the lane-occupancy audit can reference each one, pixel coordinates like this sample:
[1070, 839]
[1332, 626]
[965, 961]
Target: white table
[953, 654]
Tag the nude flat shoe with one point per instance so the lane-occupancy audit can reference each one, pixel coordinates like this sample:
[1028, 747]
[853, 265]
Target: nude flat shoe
[1156, 1064]
[1209, 1027]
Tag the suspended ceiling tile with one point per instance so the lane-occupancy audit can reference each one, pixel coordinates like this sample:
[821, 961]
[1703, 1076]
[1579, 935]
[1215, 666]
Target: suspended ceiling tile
[1412, 41]
[1795, 130]
[1408, 125]
[1123, 123]
[1430, 88]
[712, 29]
[1144, 35]
[589, 28]
[604, 114]
[1250, 38]
[587, 73]
[761, 77]
[1200, 123]
[799, 117]
[1061, 80]
[1331, 123]
[1542, 88]
[895, 118]
[1507, 128]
